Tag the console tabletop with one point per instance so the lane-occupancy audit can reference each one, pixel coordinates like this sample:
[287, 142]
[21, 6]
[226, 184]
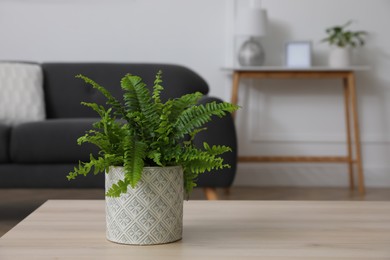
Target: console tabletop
[287, 69]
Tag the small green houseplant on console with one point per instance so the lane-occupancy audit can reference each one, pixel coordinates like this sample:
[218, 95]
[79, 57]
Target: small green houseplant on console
[342, 40]
[147, 152]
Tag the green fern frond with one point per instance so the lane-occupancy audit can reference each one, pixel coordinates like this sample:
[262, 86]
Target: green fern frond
[196, 161]
[98, 109]
[189, 181]
[117, 189]
[164, 127]
[216, 149]
[197, 116]
[200, 166]
[178, 105]
[134, 156]
[111, 100]
[193, 153]
[128, 84]
[193, 134]
[164, 130]
[157, 88]
[171, 154]
[84, 168]
[155, 155]
[110, 131]
[99, 139]
[138, 98]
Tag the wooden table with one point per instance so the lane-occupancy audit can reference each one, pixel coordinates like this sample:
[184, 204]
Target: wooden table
[347, 75]
[212, 230]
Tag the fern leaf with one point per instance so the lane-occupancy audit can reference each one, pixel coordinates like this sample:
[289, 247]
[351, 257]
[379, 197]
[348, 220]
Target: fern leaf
[98, 139]
[216, 149]
[99, 109]
[196, 161]
[128, 85]
[193, 134]
[117, 189]
[157, 88]
[109, 133]
[197, 116]
[84, 168]
[189, 181]
[134, 156]
[164, 127]
[156, 157]
[138, 98]
[111, 100]
[178, 105]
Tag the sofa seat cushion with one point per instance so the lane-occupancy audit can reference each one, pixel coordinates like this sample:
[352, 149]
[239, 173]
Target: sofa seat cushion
[51, 141]
[4, 143]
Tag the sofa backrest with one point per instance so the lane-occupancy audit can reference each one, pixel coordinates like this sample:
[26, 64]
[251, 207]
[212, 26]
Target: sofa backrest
[64, 92]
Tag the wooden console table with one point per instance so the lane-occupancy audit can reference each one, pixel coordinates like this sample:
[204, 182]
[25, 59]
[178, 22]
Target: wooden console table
[347, 75]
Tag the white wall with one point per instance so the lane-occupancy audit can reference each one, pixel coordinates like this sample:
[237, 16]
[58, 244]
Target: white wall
[191, 33]
[278, 117]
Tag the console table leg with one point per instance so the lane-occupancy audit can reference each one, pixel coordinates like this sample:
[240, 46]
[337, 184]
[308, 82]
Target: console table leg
[236, 83]
[352, 89]
[211, 193]
[348, 128]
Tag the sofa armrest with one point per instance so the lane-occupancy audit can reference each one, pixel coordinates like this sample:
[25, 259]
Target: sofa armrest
[220, 131]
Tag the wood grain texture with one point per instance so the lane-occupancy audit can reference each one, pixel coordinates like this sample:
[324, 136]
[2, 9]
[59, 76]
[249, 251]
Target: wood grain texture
[294, 74]
[290, 69]
[348, 128]
[356, 131]
[294, 159]
[212, 230]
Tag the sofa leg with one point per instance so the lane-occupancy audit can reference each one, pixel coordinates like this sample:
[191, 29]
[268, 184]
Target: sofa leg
[211, 193]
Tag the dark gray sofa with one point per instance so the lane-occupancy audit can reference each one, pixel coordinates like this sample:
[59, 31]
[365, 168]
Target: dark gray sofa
[40, 154]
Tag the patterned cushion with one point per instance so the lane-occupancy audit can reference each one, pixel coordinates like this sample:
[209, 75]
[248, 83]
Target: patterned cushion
[21, 93]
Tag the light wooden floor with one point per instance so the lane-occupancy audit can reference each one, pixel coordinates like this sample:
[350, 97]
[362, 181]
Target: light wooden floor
[16, 204]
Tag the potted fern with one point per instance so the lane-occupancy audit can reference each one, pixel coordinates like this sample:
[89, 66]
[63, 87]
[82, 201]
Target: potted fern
[342, 41]
[147, 152]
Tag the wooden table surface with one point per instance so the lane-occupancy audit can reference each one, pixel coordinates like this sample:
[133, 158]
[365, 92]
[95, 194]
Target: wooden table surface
[75, 229]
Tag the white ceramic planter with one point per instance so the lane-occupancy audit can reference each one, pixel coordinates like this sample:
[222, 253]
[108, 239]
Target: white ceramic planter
[340, 57]
[151, 213]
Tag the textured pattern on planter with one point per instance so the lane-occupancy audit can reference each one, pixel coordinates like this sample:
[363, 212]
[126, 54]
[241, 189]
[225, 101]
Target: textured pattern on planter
[152, 213]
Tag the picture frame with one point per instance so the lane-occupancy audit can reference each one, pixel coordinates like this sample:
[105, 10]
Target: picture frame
[298, 54]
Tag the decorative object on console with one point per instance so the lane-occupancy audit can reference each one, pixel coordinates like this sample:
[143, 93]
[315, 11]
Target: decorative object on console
[251, 23]
[342, 41]
[298, 54]
[21, 93]
[149, 158]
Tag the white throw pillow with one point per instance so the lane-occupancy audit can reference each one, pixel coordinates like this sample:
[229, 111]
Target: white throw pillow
[21, 93]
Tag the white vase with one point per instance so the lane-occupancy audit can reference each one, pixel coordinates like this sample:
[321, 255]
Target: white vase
[151, 213]
[340, 57]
